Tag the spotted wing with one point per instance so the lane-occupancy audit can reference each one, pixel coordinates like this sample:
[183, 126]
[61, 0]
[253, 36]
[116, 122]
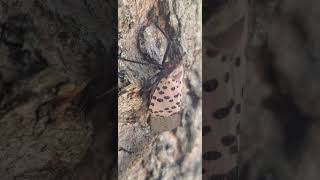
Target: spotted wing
[165, 103]
[166, 98]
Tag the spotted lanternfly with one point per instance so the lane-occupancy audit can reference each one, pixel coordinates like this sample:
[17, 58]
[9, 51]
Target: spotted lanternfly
[165, 97]
[165, 100]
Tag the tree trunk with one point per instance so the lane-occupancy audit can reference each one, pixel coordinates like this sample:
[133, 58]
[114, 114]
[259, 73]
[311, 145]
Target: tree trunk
[143, 154]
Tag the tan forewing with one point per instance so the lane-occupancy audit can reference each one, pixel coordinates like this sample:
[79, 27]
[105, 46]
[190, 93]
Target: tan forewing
[166, 98]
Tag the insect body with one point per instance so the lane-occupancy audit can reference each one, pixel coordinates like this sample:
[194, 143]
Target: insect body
[165, 100]
[166, 95]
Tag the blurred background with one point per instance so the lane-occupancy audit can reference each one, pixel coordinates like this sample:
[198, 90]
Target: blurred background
[280, 127]
[56, 58]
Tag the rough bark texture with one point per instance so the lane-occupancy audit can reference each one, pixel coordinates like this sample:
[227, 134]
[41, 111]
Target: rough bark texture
[143, 154]
[53, 64]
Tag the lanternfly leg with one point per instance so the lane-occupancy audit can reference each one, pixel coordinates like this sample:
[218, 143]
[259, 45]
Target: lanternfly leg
[147, 64]
[86, 99]
[106, 92]
[153, 82]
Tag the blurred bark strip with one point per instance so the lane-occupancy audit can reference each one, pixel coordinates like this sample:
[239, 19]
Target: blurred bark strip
[280, 129]
[55, 58]
[170, 155]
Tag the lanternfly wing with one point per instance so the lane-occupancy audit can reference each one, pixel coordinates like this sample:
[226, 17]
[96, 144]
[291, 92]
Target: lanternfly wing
[165, 103]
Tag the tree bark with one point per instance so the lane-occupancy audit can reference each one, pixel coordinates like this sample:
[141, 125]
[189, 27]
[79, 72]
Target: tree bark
[173, 154]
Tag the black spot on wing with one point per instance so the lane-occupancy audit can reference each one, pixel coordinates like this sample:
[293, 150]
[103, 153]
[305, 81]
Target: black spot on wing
[210, 85]
[228, 140]
[211, 155]
[226, 77]
[206, 130]
[160, 100]
[237, 62]
[221, 113]
[233, 149]
[212, 52]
